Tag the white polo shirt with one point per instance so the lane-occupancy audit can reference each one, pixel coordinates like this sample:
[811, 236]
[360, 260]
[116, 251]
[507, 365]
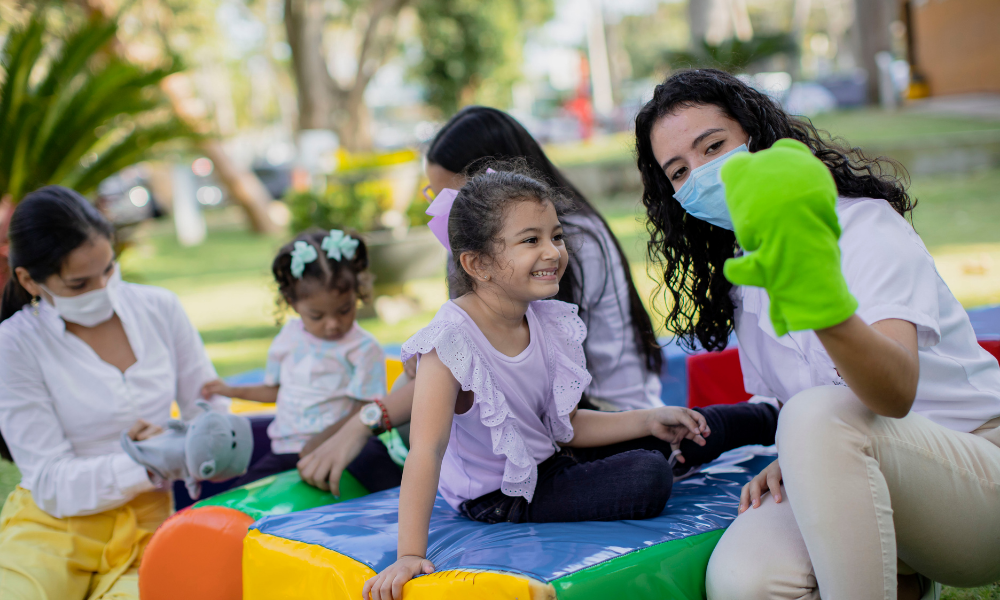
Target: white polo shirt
[63, 409]
[889, 271]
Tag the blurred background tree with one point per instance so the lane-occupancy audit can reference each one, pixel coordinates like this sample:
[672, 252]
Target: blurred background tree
[367, 30]
[472, 49]
[72, 111]
[733, 55]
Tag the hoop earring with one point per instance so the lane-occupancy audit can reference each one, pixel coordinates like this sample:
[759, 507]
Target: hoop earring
[34, 305]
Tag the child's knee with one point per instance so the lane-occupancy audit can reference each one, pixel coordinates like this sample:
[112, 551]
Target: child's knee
[651, 479]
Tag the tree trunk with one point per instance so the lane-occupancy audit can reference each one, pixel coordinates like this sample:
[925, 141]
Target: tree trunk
[872, 18]
[715, 21]
[356, 125]
[323, 103]
[242, 185]
[304, 21]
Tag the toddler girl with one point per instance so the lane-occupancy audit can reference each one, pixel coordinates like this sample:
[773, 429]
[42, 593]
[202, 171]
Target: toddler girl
[495, 425]
[323, 364]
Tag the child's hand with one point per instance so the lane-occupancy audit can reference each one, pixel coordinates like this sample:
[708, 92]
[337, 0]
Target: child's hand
[768, 480]
[410, 367]
[388, 585]
[217, 387]
[674, 423]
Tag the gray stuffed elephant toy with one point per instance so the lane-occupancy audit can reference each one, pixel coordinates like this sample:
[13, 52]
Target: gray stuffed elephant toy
[214, 446]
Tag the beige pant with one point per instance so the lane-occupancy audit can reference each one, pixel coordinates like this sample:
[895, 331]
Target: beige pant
[866, 497]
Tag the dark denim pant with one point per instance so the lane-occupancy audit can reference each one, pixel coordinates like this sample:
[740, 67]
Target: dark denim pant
[629, 480]
[373, 468]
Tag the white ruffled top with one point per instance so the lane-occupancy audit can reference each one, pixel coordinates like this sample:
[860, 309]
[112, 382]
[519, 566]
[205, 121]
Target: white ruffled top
[522, 403]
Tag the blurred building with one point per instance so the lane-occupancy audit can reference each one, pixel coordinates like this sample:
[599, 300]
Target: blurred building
[955, 44]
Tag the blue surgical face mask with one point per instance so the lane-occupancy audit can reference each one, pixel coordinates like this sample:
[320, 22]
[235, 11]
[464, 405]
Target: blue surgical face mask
[703, 195]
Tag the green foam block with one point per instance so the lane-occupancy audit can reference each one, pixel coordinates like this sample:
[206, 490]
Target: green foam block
[672, 570]
[282, 494]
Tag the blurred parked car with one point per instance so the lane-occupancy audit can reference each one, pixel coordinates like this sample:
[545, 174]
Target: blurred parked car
[126, 197]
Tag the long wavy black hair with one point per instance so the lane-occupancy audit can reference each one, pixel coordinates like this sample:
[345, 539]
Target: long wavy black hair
[691, 252]
[477, 135]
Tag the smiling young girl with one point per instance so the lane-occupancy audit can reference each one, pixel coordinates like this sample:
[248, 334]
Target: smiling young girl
[323, 365]
[495, 424]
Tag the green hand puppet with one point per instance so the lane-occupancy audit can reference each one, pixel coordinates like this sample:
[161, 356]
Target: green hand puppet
[783, 204]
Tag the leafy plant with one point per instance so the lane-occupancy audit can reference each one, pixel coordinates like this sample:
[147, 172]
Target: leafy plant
[472, 48]
[71, 111]
[357, 195]
[353, 203]
[733, 55]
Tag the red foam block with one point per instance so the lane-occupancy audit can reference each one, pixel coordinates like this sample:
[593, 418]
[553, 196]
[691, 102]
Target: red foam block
[716, 377]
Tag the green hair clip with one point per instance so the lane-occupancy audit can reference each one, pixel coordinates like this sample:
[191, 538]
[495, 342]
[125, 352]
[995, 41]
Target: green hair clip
[339, 245]
[302, 254]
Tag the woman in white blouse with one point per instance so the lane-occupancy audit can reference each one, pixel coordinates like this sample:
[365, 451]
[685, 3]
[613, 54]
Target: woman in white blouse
[888, 469]
[83, 357]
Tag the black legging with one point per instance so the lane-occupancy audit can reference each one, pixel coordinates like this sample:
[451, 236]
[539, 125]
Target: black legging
[628, 480]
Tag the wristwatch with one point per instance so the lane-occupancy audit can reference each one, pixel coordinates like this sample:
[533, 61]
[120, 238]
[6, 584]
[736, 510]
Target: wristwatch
[375, 417]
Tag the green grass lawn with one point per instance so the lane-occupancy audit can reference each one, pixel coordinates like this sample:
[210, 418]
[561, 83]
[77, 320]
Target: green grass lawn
[989, 592]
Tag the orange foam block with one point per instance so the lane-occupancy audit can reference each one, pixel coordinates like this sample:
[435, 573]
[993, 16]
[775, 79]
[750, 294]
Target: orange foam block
[196, 554]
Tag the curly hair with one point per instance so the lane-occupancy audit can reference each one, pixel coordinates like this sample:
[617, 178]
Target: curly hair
[690, 251]
[341, 275]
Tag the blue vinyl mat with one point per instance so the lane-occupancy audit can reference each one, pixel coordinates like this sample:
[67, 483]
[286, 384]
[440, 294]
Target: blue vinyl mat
[365, 529]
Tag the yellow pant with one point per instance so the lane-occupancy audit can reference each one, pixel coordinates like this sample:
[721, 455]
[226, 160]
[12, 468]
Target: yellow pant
[76, 558]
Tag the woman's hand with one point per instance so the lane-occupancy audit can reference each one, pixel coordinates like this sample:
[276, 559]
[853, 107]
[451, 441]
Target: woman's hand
[216, 388]
[769, 477]
[674, 423]
[783, 203]
[323, 466]
[143, 430]
[388, 585]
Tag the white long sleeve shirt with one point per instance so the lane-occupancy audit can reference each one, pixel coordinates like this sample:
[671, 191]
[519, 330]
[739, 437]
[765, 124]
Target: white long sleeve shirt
[614, 360]
[889, 271]
[62, 408]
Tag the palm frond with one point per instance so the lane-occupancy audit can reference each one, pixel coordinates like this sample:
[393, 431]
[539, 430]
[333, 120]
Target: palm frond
[18, 57]
[733, 55]
[133, 148]
[78, 106]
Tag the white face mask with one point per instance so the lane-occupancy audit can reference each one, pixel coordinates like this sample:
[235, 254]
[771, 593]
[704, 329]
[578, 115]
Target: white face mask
[88, 309]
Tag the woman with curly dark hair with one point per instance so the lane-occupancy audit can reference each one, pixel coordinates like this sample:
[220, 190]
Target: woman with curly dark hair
[887, 437]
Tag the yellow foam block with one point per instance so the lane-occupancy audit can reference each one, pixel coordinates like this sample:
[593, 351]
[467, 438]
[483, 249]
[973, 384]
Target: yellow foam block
[278, 569]
[393, 369]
